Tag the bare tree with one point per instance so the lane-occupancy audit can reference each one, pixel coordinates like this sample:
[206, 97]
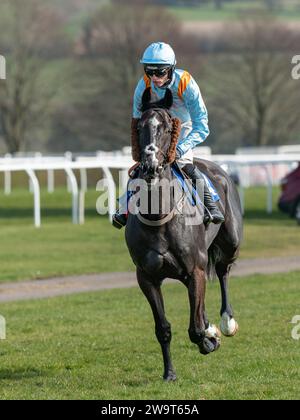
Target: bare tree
[219, 4]
[256, 96]
[110, 48]
[30, 34]
[273, 5]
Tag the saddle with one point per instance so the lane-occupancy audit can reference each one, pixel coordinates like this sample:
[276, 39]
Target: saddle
[185, 182]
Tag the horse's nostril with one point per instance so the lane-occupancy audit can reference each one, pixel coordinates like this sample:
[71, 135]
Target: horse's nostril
[151, 149]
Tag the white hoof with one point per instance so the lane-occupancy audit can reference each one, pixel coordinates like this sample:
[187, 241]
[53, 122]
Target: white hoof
[213, 332]
[229, 326]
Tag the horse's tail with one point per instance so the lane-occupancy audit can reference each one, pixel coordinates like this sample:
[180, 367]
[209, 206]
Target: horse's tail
[214, 256]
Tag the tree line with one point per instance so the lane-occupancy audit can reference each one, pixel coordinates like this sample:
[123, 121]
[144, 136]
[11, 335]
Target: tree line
[271, 5]
[72, 89]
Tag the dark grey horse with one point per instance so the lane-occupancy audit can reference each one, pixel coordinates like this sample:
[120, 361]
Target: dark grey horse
[167, 245]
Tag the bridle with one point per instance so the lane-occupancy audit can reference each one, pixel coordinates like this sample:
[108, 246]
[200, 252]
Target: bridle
[165, 162]
[173, 130]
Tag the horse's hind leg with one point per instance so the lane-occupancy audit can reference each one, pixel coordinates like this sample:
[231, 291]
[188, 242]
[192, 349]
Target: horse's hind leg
[229, 326]
[162, 326]
[203, 334]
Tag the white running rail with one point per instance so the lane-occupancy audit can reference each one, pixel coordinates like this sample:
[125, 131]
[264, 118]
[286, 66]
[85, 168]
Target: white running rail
[30, 165]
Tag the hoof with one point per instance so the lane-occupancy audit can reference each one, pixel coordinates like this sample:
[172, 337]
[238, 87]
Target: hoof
[170, 377]
[208, 345]
[213, 332]
[229, 326]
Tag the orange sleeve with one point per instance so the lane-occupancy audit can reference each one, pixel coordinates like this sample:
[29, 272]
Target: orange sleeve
[147, 81]
[184, 81]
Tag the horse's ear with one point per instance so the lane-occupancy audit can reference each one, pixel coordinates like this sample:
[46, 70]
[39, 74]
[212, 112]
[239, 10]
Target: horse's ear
[168, 99]
[146, 98]
[166, 102]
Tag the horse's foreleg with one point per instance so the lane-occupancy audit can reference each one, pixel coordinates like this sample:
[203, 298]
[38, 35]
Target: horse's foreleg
[228, 325]
[162, 326]
[203, 334]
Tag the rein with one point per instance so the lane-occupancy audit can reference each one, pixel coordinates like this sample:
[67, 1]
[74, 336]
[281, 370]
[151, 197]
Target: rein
[157, 223]
[160, 222]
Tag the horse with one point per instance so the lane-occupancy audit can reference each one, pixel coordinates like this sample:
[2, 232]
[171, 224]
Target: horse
[167, 246]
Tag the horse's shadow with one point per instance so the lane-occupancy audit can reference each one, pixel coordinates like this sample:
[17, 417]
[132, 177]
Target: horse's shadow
[22, 373]
[27, 213]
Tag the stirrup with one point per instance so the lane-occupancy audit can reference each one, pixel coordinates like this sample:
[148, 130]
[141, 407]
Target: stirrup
[207, 218]
[117, 223]
[217, 219]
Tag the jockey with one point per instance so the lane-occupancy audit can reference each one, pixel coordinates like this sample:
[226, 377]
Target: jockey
[160, 73]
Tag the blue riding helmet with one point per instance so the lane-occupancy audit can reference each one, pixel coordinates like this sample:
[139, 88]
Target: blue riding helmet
[159, 53]
[159, 59]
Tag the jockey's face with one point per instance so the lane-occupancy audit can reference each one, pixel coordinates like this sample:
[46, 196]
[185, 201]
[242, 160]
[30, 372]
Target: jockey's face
[159, 81]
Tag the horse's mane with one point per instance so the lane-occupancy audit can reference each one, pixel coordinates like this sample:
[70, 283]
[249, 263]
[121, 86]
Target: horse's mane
[135, 147]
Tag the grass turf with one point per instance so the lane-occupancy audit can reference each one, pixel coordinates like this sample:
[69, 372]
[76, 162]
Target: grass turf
[102, 346]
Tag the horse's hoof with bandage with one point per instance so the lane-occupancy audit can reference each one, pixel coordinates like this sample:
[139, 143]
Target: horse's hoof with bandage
[228, 325]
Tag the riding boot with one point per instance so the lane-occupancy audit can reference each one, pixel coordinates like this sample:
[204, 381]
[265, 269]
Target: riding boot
[213, 210]
[213, 214]
[119, 219]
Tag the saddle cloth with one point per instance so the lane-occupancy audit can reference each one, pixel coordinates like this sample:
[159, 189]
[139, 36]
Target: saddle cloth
[193, 196]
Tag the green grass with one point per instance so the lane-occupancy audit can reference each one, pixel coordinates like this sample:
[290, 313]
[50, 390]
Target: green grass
[231, 11]
[102, 346]
[267, 235]
[60, 248]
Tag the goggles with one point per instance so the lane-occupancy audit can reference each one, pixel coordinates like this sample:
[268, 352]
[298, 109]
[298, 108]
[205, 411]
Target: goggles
[155, 71]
